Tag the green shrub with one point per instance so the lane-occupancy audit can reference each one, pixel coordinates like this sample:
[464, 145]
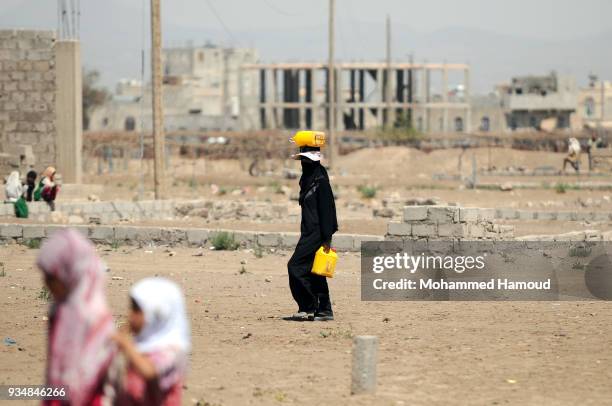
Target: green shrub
[367, 192]
[44, 294]
[561, 187]
[33, 243]
[224, 241]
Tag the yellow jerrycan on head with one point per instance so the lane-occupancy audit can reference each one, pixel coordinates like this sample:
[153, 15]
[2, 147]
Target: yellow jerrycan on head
[325, 262]
[309, 139]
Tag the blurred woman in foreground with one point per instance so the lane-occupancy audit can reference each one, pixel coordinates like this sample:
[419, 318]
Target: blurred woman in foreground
[80, 348]
[157, 355]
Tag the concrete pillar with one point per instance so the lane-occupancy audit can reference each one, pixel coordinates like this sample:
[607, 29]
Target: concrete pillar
[468, 111]
[263, 103]
[363, 376]
[426, 90]
[69, 110]
[445, 99]
[314, 111]
[361, 124]
[339, 102]
[241, 107]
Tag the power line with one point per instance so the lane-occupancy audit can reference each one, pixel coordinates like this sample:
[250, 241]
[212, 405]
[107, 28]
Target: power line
[225, 27]
[280, 11]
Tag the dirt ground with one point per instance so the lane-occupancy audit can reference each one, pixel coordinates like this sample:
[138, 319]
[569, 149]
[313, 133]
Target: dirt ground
[438, 353]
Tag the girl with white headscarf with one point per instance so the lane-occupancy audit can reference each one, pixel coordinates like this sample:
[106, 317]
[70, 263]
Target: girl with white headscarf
[157, 356]
[13, 188]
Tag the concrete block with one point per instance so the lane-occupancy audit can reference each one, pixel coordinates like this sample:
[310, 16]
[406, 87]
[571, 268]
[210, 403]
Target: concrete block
[83, 229]
[31, 231]
[363, 370]
[565, 216]
[452, 230]
[102, 233]
[11, 231]
[506, 214]
[343, 242]
[468, 214]
[129, 233]
[399, 228]
[600, 216]
[415, 213]
[197, 236]
[289, 240]
[525, 215]
[172, 235]
[51, 229]
[358, 239]
[441, 214]
[268, 239]
[486, 214]
[476, 231]
[424, 230]
[244, 238]
[7, 210]
[547, 215]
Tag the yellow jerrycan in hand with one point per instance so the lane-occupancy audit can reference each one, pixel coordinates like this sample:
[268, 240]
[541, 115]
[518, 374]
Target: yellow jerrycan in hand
[325, 262]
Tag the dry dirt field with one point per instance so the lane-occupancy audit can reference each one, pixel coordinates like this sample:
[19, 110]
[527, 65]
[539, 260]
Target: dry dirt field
[431, 353]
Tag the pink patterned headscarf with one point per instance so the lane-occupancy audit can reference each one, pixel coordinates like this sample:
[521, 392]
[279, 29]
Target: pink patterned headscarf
[79, 348]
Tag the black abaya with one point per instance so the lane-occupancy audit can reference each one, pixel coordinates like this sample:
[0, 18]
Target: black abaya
[318, 224]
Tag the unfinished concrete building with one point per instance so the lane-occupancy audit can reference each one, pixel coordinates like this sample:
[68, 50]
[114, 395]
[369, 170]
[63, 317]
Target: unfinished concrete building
[200, 91]
[535, 102]
[368, 95]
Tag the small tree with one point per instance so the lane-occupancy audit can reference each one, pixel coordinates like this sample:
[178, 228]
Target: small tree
[93, 95]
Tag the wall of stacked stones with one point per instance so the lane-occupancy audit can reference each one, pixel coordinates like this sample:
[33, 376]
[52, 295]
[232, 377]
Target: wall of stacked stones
[114, 211]
[27, 92]
[170, 236]
[448, 222]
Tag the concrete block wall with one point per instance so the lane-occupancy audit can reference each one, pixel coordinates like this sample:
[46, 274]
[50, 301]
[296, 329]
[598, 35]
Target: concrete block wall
[106, 212]
[112, 211]
[188, 237]
[564, 215]
[448, 223]
[27, 93]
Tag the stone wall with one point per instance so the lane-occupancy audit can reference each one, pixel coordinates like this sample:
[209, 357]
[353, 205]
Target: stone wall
[172, 236]
[27, 96]
[114, 211]
[448, 223]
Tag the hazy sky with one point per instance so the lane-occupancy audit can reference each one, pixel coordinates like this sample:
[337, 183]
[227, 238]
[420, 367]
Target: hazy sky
[112, 30]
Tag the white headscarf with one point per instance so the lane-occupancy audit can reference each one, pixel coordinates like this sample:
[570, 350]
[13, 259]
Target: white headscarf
[573, 146]
[14, 188]
[163, 305]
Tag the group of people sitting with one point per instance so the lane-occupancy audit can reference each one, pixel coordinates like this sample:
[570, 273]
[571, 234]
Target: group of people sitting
[141, 363]
[19, 193]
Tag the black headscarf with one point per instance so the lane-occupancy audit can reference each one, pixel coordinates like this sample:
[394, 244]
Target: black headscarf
[311, 171]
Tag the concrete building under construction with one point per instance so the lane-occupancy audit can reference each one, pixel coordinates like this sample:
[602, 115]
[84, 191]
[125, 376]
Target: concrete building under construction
[430, 97]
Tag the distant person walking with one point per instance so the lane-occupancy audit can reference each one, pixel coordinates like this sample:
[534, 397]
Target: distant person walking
[573, 155]
[317, 227]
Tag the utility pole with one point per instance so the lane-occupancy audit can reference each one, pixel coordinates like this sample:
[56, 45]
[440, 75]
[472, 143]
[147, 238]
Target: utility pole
[331, 83]
[224, 97]
[158, 114]
[603, 108]
[389, 120]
